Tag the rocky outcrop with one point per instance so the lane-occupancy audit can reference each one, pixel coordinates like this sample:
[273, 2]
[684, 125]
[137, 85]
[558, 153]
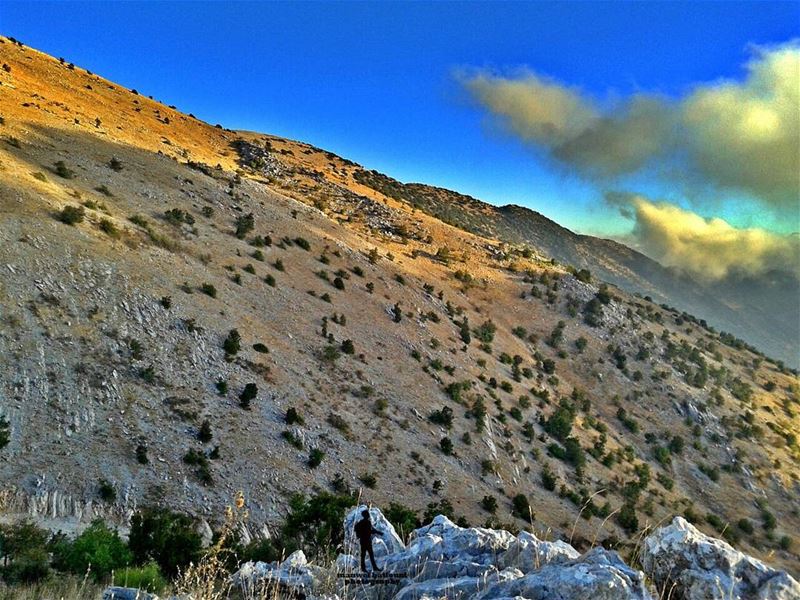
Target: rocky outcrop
[443, 560]
[294, 577]
[388, 543]
[686, 564]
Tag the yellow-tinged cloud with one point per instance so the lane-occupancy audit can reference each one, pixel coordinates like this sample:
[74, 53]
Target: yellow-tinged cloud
[748, 135]
[708, 248]
[743, 135]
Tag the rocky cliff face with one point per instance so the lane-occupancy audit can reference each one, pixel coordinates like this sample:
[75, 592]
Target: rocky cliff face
[443, 560]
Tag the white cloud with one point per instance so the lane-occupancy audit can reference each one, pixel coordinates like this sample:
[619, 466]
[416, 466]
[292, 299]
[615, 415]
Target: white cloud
[709, 248]
[736, 135]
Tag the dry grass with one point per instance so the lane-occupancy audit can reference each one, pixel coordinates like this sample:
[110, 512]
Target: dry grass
[61, 588]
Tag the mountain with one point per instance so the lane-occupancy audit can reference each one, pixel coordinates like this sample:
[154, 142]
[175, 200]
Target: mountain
[761, 311]
[188, 311]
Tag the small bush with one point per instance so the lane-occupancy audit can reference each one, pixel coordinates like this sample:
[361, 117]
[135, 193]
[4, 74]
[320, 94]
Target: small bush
[106, 491]
[170, 539]
[107, 226]
[369, 480]
[244, 225]
[178, 216]
[521, 507]
[209, 290]
[292, 417]
[71, 214]
[147, 578]
[63, 171]
[204, 433]
[115, 164]
[446, 445]
[315, 458]
[248, 394]
[98, 550]
[141, 454]
[232, 343]
[489, 504]
[104, 190]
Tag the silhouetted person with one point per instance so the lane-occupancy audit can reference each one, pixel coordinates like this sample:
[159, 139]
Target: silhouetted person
[364, 532]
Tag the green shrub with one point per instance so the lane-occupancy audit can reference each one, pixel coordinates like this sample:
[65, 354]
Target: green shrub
[404, 519]
[521, 507]
[5, 432]
[746, 526]
[442, 417]
[315, 523]
[115, 164]
[104, 190]
[244, 225]
[548, 478]
[627, 518]
[62, 170]
[204, 433]
[106, 491]
[167, 538]
[232, 343]
[369, 480]
[303, 243]
[315, 458]
[178, 216]
[71, 214]
[107, 226]
[198, 459]
[292, 417]
[24, 546]
[248, 394]
[259, 347]
[489, 504]
[141, 454]
[98, 550]
[292, 439]
[147, 578]
[446, 445]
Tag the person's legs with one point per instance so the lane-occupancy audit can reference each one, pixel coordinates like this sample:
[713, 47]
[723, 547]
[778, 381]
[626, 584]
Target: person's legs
[372, 558]
[363, 557]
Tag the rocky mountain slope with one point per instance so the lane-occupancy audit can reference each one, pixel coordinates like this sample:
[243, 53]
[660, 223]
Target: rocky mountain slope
[760, 310]
[187, 311]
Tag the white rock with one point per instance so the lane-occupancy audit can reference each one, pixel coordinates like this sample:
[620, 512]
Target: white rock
[597, 575]
[529, 552]
[696, 566]
[454, 589]
[388, 543]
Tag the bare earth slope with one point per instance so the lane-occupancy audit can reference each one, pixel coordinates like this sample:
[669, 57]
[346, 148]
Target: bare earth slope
[350, 307]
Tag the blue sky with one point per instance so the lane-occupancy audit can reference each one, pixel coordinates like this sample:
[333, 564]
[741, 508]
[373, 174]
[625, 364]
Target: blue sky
[375, 82]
